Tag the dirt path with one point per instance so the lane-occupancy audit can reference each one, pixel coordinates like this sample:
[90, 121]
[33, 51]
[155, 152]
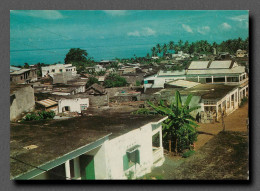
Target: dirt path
[236, 121]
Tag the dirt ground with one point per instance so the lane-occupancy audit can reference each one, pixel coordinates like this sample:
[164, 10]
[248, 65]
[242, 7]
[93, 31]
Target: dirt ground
[219, 155]
[236, 121]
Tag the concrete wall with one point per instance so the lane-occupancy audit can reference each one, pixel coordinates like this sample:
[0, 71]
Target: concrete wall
[64, 67]
[73, 104]
[62, 77]
[141, 136]
[98, 100]
[22, 101]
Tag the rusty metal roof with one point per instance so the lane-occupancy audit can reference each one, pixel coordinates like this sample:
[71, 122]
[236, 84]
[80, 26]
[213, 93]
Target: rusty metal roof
[47, 102]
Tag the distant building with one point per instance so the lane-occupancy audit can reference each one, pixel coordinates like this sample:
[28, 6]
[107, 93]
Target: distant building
[214, 72]
[241, 53]
[87, 148]
[73, 105]
[22, 76]
[58, 68]
[21, 100]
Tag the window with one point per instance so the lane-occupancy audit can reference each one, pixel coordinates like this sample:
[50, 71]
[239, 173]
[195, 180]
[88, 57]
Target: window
[21, 77]
[53, 70]
[60, 70]
[150, 81]
[232, 79]
[131, 157]
[221, 79]
[208, 80]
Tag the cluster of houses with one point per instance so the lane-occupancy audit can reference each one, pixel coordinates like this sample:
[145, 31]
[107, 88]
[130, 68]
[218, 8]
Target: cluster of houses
[79, 144]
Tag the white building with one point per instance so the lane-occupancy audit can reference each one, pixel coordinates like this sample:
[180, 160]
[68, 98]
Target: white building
[73, 105]
[209, 72]
[58, 68]
[93, 147]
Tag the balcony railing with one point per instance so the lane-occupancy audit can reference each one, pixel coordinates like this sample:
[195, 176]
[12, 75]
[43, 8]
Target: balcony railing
[157, 154]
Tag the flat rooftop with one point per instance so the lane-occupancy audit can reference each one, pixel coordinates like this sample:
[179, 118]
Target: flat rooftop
[55, 138]
[205, 91]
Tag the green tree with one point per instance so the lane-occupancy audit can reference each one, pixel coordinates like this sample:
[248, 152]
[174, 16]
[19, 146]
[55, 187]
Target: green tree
[26, 65]
[114, 80]
[171, 45]
[159, 50]
[165, 49]
[76, 55]
[154, 51]
[92, 80]
[180, 126]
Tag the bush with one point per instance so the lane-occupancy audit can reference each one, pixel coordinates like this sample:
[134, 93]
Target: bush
[243, 101]
[138, 83]
[142, 111]
[114, 80]
[188, 153]
[40, 115]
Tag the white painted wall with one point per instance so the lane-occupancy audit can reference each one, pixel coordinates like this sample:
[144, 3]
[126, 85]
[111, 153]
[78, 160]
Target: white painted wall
[74, 104]
[117, 147]
[57, 67]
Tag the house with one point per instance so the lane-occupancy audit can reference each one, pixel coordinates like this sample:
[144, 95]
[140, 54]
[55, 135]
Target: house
[214, 72]
[21, 100]
[213, 99]
[124, 96]
[58, 68]
[223, 72]
[22, 76]
[158, 80]
[96, 89]
[87, 147]
[241, 53]
[62, 78]
[73, 105]
[47, 105]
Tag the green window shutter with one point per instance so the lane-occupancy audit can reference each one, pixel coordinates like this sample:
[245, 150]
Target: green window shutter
[125, 162]
[137, 156]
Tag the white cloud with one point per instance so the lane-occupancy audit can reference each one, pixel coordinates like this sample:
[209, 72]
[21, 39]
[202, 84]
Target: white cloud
[146, 31]
[135, 33]
[116, 12]
[203, 30]
[44, 14]
[187, 28]
[225, 26]
[239, 18]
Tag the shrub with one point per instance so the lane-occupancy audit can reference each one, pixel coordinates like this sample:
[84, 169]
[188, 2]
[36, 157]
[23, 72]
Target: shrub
[138, 83]
[40, 115]
[142, 111]
[188, 153]
[243, 101]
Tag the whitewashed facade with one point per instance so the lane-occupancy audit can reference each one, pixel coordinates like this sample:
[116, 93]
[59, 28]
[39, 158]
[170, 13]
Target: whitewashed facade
[73, 105]
[58, 68]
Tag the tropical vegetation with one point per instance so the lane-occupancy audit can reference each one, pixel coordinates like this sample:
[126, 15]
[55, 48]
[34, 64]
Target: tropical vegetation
[179, 129]
[40, 115]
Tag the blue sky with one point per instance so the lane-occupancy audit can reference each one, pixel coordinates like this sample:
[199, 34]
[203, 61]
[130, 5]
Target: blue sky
[47, 35]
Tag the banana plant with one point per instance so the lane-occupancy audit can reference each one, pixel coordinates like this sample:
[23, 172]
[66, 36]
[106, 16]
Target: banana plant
[180, 126]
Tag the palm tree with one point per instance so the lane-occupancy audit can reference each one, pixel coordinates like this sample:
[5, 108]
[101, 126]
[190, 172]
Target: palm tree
[165, 49]
[153, 51]
[180, 126]
[158, 46]
[171, 45]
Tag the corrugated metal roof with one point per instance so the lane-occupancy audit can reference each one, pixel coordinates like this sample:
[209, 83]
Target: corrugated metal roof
[198, 65]
[235, 70]
[12, 69]
[220, 64]
[20, 71]
[183, 83]
[47, 102]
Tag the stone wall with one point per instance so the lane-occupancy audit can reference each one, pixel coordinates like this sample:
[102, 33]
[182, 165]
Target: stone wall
[21, 100]
[112, 91]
